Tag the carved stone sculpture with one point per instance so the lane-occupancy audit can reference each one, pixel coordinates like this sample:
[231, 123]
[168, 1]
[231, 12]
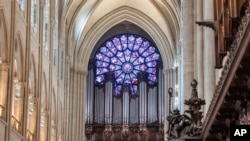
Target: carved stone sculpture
[191, 117]
[89, 131]
[195, 117]
[161, 131]
[108, 131]
[176, 124]
[143, 132]
[125, 131]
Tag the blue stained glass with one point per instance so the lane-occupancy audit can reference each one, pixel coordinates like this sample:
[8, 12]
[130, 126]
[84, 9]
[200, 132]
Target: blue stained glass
[134, 89]
[101, 64]
[151, 64]
[118, 90]
[126, 55]
[151, 70]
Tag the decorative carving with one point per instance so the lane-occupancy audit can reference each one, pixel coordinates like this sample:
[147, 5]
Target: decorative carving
[125, 131]
[176, 124]
[235, 47]
[117, 129]
[220, 93]
[134, 129]
[89, 131]
[143, 132]
[108, 131]
[194, 104]
[161, 131]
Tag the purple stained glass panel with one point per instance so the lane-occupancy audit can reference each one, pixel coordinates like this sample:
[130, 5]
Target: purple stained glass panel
[126, 55]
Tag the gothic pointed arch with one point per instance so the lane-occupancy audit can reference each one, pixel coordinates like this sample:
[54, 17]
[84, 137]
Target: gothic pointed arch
[32, 101]
[44, 110]
[18, 57]
[18, 86]
[3, 39]
[87, 42]
[3, 65]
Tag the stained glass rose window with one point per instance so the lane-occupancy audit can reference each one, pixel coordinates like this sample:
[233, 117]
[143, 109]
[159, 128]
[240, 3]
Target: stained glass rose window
[125, 56]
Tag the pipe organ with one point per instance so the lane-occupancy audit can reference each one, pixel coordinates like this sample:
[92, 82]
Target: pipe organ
[108, 115]
[125, 90]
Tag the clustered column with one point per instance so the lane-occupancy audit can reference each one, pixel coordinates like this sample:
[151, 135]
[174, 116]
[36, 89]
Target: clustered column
[161, 104]
[89, 97]
[209, 53]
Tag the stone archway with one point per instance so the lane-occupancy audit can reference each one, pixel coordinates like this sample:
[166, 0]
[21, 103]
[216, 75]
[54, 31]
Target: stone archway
[77, 68]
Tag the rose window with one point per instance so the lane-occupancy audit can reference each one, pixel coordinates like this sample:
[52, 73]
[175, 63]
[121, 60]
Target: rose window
[125, 56]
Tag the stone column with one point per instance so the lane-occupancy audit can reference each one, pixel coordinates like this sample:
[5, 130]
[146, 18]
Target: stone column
[82, 104]
[89, 97]
[166, 105]
[3, 88]
[199, 49]
[209, 54]
[187, 25]
[161, 104]
[76, 119]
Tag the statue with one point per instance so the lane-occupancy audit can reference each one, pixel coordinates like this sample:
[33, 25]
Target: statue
[194, 104]
[176, 124]
[191, 117]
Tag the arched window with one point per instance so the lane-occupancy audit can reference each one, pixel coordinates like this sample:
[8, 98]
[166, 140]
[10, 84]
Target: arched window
[55, 35]
[21, 4]
[34, 15]
[46, 27]
[126, 56]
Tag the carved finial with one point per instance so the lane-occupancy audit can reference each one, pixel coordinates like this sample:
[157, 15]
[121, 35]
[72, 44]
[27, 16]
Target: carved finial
[194, 84]
[170, 92]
